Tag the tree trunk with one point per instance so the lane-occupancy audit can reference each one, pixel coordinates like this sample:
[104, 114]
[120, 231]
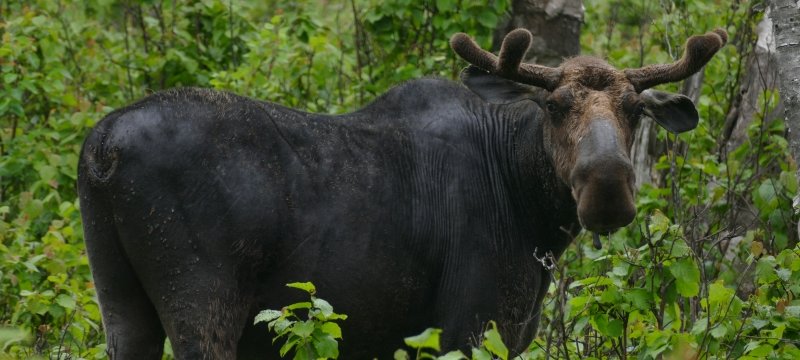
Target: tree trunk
[760, 75]
[785, 16]
[555, 25]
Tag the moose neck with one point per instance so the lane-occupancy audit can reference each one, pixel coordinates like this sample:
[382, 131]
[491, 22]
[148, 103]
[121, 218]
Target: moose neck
[544, 202]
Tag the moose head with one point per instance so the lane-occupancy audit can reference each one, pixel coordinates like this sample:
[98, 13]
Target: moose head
[591, 111]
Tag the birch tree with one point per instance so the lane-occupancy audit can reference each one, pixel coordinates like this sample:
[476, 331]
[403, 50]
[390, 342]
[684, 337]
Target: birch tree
[785, 16]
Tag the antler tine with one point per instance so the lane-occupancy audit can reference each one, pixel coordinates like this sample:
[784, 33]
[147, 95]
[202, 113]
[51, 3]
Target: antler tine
[465, 47]
[512, 51]
[699, 50]
[509, 65]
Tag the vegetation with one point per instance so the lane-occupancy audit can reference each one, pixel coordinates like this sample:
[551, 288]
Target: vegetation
[313, 338]
[710, 267]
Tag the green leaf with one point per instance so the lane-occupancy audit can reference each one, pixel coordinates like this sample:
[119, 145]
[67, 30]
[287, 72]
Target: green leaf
[290, 343]
[719, 295]
[481, 354]
[427, 339]
[488, 19]
[687, 276]
[281, 325]
[494, 343]
[603, 325]
[299, 305]
[784, 274]
[700, 326]
[305, 286]
[758, 349]
[453, 355]
[10, 335]
[303, 329]
[610, 295]
[65, 301]
[267, 316]
[304, 353]
[639, 298]
[445, 5]
[332, 329]
[325, 345]
[400, 354]
[324, 307]
[719, 331]
[659, 222]
[621, 269]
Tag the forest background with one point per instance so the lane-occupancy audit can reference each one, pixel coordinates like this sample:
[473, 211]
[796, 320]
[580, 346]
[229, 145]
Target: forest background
[710, 267]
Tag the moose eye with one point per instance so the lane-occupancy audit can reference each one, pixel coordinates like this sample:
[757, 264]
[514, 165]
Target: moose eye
[637, 113]
[552, 108]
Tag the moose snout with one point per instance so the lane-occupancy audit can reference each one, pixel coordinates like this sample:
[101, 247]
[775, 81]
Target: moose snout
[603, 181]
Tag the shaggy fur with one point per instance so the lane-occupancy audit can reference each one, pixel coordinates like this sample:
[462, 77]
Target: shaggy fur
[593, 109]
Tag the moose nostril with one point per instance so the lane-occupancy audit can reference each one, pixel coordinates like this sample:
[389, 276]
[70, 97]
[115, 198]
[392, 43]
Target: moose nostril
[603, 191]
[610, 171]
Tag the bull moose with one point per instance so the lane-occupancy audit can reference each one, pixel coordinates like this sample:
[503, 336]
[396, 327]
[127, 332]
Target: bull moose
[426, 208]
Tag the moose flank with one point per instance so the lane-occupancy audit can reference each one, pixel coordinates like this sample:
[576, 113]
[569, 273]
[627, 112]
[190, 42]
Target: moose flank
[426, 208]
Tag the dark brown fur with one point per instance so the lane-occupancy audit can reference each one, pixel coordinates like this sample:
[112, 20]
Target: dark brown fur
[593, 109]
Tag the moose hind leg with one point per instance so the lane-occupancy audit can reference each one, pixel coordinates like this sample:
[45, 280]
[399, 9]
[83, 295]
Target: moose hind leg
[209, 324]
[132, 326]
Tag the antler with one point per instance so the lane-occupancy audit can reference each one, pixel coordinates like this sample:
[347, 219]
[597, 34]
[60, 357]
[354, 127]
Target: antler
[699, 50]
[509, 65]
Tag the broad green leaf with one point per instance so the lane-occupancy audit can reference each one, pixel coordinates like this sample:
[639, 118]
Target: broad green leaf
[303, 329]
[304, 353]
[453, 355]
[400, 354]
[687, 276]
[610, 295]
[332, 329]
[9, 335]
[657, 341]
[66, 301]
[267, 316]
[299, 305]
[481, 354]
[324, 307]
[494, 343]
[758, 349]
[281, 326]
[427, 339]
[305, 286]
[719, 295]
[289, 344]
[488, 19]
[720, 330]
[639, 298]
[445, 5]
[606, 326]
[325, 345]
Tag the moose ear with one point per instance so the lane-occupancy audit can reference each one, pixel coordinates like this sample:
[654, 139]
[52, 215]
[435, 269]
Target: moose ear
[494, 89]
[674, 112]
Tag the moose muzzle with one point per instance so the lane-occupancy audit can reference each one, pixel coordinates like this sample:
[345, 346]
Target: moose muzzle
[603, 179]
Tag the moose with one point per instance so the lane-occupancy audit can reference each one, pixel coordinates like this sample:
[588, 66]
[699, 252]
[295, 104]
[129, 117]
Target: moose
[427, 208]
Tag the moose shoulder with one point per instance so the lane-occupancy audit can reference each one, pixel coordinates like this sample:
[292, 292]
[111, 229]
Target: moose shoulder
[425, 208]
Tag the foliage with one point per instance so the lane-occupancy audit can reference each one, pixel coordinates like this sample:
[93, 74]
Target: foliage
[709, 267]
[314, 338]
[491, 346]
[696, 274]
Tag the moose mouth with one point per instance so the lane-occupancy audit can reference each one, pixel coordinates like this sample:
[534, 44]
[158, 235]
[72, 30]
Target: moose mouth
[608, 221]
[606, 211]
[605, 200]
